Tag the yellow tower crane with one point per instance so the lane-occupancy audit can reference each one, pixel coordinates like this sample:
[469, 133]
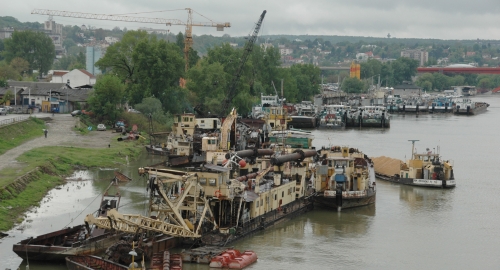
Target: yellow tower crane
[188, 37]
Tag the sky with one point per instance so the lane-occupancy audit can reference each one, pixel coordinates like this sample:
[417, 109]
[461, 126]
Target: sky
[436, 19]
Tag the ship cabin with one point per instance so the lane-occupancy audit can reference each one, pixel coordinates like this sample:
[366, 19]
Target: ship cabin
[179, 147]
[427, 166]
[344, 168]
[210, 146]
[184, 124]
[277, 118]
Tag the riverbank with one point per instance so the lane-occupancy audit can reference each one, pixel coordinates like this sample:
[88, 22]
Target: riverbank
[43, 163]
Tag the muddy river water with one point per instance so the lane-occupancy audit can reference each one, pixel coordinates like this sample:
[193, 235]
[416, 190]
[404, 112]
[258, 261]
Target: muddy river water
[407, 228]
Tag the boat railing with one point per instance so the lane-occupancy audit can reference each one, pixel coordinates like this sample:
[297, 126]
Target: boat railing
[346, 194]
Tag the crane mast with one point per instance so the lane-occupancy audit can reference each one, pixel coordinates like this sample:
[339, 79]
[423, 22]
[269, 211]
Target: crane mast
[188, 39]
[246, 52]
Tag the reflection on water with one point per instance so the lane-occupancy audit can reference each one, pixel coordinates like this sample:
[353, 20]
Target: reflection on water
[431, 199]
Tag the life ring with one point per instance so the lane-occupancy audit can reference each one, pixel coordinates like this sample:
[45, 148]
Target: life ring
[217, 193]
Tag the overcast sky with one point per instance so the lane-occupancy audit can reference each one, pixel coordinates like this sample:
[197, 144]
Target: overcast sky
[441, 19]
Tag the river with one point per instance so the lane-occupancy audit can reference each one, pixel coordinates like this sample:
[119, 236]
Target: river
[407, 228]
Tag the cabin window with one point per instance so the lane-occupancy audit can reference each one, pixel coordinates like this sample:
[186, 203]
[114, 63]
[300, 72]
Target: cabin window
[212, 141]
[202, 121]
[275, 197]
[257, 205]
[185, 119]
[261, 202]
[293, 189]
[191, 119]
[203, 181]
[282, 194]
[212, 181]
[289, 191]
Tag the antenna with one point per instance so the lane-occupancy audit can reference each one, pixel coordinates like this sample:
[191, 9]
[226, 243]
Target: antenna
[412, 146]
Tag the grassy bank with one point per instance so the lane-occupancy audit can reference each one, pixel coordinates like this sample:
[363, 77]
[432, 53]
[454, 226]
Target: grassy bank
[45, 169]
[15, 135]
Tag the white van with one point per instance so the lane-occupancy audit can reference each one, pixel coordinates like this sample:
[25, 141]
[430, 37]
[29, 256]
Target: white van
[3, 111]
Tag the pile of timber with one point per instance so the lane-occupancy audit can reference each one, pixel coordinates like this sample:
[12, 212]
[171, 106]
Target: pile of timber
[386, 166]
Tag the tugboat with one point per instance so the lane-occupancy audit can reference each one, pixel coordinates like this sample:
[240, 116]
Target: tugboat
[345, 178]
[423, 169]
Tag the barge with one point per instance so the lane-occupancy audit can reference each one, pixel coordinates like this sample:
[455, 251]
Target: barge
[425, 169]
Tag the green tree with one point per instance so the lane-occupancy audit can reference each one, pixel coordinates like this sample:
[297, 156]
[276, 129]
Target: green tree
[6, 97]
[440, 81]
[3, 83]
[20, 65]
[353, 85]
[403, 69]
[118, 57]
[159, 69]
[7, 72]
[35, 47]
[107, 96]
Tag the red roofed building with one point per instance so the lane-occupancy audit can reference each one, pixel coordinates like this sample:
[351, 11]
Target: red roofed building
[57, 76]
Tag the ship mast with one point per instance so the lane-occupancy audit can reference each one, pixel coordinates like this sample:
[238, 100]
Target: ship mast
[412, 147]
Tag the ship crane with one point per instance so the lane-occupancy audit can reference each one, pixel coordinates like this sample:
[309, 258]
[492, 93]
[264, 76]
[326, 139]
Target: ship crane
[231, 93]
[188, 37]
[170, 210]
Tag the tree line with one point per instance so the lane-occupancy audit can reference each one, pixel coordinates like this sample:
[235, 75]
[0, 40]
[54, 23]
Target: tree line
[146, 68]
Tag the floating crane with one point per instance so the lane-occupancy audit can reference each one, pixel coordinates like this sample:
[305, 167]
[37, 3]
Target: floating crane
[188, 37]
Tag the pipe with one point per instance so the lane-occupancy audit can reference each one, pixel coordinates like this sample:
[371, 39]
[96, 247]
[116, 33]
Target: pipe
[250, 175]
[251, 153]
[298, 155]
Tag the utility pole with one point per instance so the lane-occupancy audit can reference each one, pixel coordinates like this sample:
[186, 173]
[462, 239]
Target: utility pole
[67, 101]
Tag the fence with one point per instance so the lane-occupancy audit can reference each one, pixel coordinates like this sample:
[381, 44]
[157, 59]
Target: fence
[13, 120]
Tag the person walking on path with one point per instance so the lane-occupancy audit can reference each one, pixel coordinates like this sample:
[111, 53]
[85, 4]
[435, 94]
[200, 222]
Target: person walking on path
[45, 131]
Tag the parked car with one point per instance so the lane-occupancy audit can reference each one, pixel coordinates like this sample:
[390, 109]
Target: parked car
[75, 113]
[3, 111]
[101, 127]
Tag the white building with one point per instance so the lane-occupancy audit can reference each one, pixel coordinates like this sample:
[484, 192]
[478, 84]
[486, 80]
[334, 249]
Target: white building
[111, 40]
[362, 57]
[286, 51]
[78, 78]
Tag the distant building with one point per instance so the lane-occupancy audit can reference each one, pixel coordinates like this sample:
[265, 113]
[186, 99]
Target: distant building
[111, 40]
[234, 45]
[154, 31]
[93, 55]
[266, 45]
[303, 47]
[421, 56]
[362, 57]
[286, 51]
[6, 32]
[54, 31]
